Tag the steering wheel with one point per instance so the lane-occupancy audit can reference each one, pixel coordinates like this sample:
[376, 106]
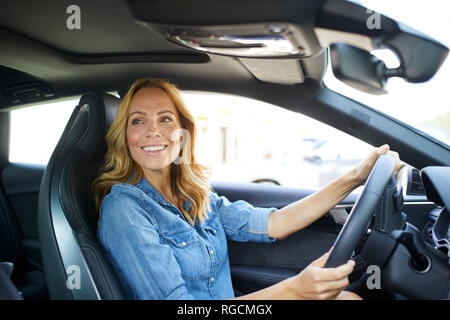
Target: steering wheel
[359, 219]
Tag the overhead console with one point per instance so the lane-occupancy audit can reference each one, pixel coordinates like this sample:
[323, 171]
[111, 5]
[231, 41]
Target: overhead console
[269, 31]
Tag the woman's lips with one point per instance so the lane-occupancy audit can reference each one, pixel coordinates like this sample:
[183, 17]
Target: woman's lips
[154, 149]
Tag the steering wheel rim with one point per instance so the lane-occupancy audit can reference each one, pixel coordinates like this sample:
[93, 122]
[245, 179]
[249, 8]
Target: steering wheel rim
[358, 221]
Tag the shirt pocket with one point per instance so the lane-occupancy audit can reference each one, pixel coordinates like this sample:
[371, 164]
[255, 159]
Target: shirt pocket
[218, 239]
[188, 252]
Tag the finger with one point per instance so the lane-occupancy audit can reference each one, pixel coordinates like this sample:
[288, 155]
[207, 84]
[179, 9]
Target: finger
[382, 150]
[330, 287]
[320, 262]
[337, 284]
[398, 162]
[373, 156]
[395, 155]
[345, 269]
[329, 295]
[334, 274]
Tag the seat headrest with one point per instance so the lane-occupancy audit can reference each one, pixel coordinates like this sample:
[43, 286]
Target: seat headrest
[96, 113]
[109, 103]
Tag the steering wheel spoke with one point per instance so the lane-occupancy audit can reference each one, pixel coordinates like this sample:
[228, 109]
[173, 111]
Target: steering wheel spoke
[359, 219]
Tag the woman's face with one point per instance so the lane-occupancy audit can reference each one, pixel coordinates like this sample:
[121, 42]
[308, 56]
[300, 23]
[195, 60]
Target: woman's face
[151, 123]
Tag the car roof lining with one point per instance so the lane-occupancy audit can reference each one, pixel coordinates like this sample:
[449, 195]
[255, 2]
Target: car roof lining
[70, 75]
[72, 62]
[75, 63]
[105, 28]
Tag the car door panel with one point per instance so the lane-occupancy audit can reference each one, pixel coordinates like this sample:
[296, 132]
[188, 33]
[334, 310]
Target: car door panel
[21, 183]
[257, 265]
[249, 279]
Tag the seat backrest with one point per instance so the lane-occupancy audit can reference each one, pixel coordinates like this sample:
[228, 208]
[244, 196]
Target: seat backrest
[74, 261]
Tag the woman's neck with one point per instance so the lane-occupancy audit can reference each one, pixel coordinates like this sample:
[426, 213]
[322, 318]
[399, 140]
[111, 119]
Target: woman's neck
[160, 180]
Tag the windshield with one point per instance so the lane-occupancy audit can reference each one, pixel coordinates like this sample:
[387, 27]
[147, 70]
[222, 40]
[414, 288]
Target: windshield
[425, 106]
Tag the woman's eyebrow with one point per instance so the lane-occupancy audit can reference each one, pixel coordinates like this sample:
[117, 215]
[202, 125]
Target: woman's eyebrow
[161, 112]
[143, 113]
[136, 112]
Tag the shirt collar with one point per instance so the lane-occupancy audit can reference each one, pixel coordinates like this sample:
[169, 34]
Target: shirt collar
[147, 187]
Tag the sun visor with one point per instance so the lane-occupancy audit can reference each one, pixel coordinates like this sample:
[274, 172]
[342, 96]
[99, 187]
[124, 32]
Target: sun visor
[282, 71]
[436, 181]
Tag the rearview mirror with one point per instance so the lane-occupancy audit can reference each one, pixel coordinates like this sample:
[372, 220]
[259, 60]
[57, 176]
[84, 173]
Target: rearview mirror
[359, 69]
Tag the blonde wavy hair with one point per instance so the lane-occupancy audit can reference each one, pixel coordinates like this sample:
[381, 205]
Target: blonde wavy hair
[188, 179]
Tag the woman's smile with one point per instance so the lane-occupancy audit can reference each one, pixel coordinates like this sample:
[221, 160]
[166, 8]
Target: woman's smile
[155, 149]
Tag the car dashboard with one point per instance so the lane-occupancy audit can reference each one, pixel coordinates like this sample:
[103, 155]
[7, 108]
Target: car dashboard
[436, 181]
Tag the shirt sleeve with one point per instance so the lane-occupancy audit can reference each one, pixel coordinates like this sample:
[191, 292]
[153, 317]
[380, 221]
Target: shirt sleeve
[146, 268]
[241, 220]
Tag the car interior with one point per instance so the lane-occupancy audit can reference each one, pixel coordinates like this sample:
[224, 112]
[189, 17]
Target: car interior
[267, 50]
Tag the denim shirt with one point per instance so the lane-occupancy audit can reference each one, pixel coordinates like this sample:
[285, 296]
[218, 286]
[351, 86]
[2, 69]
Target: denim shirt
[157, 254]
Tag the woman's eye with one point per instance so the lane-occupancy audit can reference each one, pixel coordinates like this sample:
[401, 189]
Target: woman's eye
[166, 119]
[136, 121]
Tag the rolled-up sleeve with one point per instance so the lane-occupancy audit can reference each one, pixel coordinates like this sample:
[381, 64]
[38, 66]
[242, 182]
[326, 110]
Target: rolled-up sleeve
[146, 268]
[241, 220]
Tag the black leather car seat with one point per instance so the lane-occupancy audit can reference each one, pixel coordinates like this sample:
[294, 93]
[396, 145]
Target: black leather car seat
[74, 262]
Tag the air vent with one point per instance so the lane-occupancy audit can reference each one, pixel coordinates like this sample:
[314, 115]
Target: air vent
[416, 186]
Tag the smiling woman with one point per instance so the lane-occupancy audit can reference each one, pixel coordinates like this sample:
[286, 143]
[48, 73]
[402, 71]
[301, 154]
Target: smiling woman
[164, 231]
[148, 117]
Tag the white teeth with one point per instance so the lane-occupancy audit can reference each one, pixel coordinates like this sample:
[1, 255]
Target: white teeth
[156, 148]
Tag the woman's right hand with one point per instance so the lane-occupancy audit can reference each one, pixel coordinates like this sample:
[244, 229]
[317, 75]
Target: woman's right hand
[318, 283]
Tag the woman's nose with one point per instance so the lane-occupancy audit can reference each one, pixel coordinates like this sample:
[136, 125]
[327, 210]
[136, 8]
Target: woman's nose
[153, 130]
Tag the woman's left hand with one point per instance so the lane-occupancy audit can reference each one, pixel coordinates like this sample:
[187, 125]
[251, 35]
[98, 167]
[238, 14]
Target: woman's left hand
[363, 169]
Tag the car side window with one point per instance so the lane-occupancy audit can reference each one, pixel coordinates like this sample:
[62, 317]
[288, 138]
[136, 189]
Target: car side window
[244, 140]
[259, 143]
[35, 130]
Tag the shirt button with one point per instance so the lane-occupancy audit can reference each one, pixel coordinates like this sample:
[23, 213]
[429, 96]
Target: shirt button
[211, 251]
[212, 279]
[183, 244]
